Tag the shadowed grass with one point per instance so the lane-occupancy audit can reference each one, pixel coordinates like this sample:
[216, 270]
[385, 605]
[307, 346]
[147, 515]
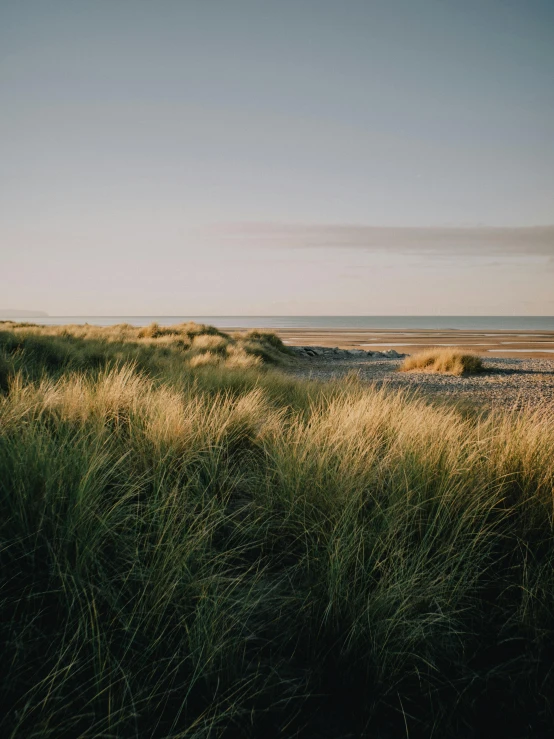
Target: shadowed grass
[220, 551]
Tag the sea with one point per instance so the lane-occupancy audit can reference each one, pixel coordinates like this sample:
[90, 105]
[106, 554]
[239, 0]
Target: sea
[471, 323]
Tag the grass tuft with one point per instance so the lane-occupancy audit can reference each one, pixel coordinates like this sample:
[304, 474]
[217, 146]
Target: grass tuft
[443, 360]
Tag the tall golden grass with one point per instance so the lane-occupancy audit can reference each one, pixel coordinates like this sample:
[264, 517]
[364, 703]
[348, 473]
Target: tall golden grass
[197, 344]
[220, 551]
[445, 360]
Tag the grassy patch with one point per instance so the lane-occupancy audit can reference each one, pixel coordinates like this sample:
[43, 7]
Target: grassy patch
[218, 550]
[443, 360]
[37, 349]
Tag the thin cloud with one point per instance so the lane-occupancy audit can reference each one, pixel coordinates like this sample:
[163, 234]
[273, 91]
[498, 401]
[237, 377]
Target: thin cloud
[446, 241]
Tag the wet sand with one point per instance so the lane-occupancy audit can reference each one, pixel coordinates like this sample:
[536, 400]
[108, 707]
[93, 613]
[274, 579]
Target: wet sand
[516, 344]
[519, 365]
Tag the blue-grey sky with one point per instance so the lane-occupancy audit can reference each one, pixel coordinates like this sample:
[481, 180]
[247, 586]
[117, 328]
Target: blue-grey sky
[277, 156]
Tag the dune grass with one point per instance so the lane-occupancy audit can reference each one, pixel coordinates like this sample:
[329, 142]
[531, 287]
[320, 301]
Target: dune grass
[200, 549]
[444, 360]
[83, 347]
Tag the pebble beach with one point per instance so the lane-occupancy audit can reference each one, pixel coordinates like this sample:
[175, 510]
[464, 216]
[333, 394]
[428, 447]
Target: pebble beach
[507, 383]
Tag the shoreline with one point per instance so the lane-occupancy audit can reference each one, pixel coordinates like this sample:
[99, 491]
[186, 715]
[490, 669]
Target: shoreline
[501, 344]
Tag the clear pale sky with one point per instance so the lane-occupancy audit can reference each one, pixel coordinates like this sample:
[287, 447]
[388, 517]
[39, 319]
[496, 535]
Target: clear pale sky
[277, 156]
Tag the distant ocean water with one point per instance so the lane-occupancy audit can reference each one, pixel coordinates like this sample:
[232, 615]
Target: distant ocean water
[475, 323]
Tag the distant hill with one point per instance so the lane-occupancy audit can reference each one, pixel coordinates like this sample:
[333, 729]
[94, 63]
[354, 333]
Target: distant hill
[10, 313]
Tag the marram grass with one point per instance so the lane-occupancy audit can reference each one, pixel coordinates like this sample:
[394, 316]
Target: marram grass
[444, 360]
[219, 551]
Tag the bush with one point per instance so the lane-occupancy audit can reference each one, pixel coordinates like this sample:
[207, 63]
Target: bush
[267, 337]
[443, 360]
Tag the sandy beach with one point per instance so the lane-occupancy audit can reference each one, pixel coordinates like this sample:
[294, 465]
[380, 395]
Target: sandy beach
[515, 344]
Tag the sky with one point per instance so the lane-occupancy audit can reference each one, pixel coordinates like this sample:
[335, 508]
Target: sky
[277, 157]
